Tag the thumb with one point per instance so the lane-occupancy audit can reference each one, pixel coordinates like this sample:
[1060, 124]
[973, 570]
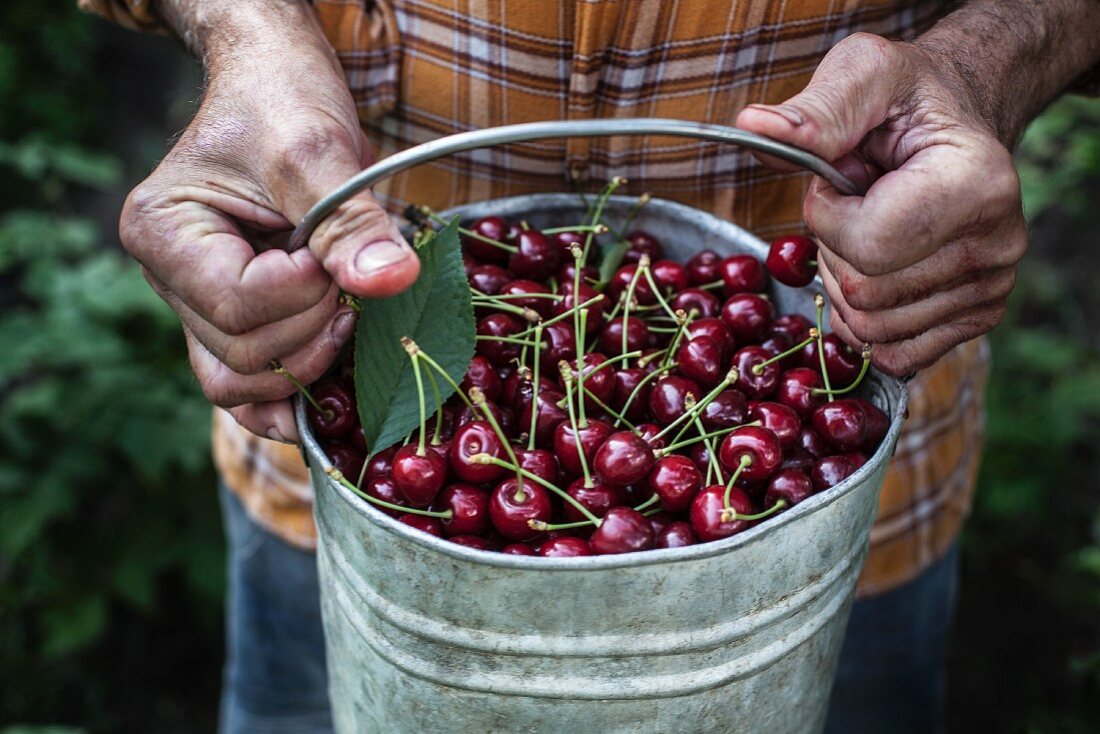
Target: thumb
[358, 244]
[850, 94]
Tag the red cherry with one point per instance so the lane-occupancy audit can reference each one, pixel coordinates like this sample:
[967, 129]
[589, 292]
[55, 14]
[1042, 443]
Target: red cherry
[779, 419]
[566, 546]
[623, 458]
[789, 260]
[594, 311]
[559, 343]
[677, 535]
[841, 361]
[471, 541]
[542, 306]
[791, 485]
[726, 410]
[469, 508]
[429, 525]
[418, 478]
[381, 464]
[493, 228]
[759, 444]
[842, 423]
[676, 480]
[708, 508]
[756, 386]
[496, 325]
[537, 257]
[599, 382]
[568, 273]
[798, 458]
[384, 489]
[648, 433]
[510, 513]
[668, 396]
[695, 302]
[620, 284]
[796, 391]
[611, 338]
[549, 415]
[565, 443]
[471, 439]
[517, 549]
[812, 443]
[658, 521]
[703, 267]
[743, 274]
[717, 330]
[700, 359]
[700, 456]
[830, 471]
[670, 276]
[642, 243]
[598, 499]
[519, 388]
[794, 325]
[347, 459]
[622, 530]
[539, 462]
[483, 376]
[338, 414]
[748, 316]
[856, 458]
[878, 425]
[489, 279]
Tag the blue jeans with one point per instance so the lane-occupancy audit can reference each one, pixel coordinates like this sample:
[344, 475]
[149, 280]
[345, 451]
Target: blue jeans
[890, 677]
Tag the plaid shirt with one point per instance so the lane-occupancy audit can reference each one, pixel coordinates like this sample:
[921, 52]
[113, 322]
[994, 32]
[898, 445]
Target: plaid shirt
[420, 69]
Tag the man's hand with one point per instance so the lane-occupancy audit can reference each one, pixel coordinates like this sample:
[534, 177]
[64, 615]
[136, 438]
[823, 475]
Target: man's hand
[926, 260]
[276, 131]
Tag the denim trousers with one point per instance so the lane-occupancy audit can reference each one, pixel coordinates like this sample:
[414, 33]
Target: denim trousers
[890, 677]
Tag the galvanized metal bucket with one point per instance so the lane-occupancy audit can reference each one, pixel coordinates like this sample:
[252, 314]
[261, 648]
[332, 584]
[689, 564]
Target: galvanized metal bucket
[740, 635]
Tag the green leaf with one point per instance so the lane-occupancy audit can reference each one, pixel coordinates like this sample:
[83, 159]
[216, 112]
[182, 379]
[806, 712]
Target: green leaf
[612, 259]
[437, 314]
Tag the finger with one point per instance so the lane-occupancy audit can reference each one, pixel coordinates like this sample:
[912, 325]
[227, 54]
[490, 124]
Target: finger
[358, 243]
[197, 251]
[252, 352]
[226, 388]
[906, 322]
[273, 420]
[909, 213]
[850, 94]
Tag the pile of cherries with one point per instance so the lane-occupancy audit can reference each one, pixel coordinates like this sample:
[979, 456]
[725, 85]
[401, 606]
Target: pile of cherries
[697, 410]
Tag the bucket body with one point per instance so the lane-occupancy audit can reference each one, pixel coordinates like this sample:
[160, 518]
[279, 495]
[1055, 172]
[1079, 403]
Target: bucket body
[739, 635]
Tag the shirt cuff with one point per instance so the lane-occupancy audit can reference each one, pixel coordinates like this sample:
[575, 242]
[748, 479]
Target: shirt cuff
[135, 14]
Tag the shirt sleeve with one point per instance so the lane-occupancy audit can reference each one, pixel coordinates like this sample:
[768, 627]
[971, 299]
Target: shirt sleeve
[135, 14]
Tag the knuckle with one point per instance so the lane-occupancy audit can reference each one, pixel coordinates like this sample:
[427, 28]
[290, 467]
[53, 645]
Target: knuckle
[309, 145]
[245, 357]
[230, 315]
[140, 207]
[359, 216]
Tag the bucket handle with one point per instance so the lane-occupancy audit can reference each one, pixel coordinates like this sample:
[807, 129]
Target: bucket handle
[527, 131]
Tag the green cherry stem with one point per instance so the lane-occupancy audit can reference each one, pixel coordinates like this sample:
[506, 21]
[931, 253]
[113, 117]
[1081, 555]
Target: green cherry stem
[278, 368]
[561, 316]
[479, 400]
[605, 195]
[412, 350]
[637, 388]
[567, 378]
[566, 497]
[535, 389]
[713, 285]
[712, 459]
[619, 419]
[866, 355]
[595, 228]
[438, 409]
[758, 369]
[546, 527]
[657, 292]
[442, 373]
[337, 475]
[468, 233]
[730, 378]
[819, 303]
[654, 499]
[682, 321]
[730, 514]
[746, 460]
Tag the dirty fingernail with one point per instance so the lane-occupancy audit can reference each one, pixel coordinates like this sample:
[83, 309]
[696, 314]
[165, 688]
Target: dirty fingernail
[379, 255]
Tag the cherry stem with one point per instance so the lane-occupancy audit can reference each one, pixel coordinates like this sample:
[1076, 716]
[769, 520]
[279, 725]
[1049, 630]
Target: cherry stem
[657, 292]
[438, 410]
[712, 458]
[637, 388]
[504, 339]
[819, 302]
[698, 407]
[468, 233]
[758, 369]
[609, 410]
[682, 321]
[278, 368]
[746, 460]
[535, 389]
[412, 349]
[447, 378]
[346, 299]
[654, 499]
[566, 497]
[601, 202]
[730, 514]
[859, 378]
[545, 527]
[628, 302]
[705, 437]
[336, 474]
[479, 400]
[711, 285]
[528, 314]
[479, 296]
[596, 228]
[561, 316]
[567, 377]
[632, 214]
[581, 364]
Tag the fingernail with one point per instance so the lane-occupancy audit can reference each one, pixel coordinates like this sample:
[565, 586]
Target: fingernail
[790, 114]
[343, 326]
[274, 434]
[379, 255]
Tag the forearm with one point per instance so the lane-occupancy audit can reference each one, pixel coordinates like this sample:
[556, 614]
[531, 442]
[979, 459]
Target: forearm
[1016, 56]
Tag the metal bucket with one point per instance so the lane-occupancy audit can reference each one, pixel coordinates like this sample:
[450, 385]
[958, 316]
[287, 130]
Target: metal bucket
[742, 634]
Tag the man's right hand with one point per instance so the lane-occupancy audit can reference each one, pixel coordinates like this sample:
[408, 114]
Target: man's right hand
[276, 131]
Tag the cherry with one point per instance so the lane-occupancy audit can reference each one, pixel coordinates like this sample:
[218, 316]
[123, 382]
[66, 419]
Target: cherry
[519, 388]
[489, 279]
[841, 361]
[347, 459]
[594, 311]
[480, 374]
[338, 414]
[796, 391]
[670, 276]
[667, 399]
[726, 410]
[759, 444]
[677, 535]
[749, 316]
[429, 525]
[384, 489]
[542, 306]
[623, 458]
[812, 443]
[549, 415]
[418, 477]
[510, 511]
[622, 530]
[539, 462]
[842, 423]
[779, 419]
[696, 302]
[591, 437]
[658, 521]
[708, 508]
[676, 480]
[856, 458]
[620, 284]
[566, 240]
[642, 243]
[755, 385]
[717, 330]
[536, 258]
[626, 383]
[700, 359]
[700, 456]
[469, 508]
[381, 464]
[471, 541]
[878, 425]
[600, 383]
[597, 498]
[611, 338]
[648, 433]
[559, 343]
[798, 458]
[794, 325]
[743, 274]
[791, 485]
[495, 325]
[791, 260]
[517, 549]
[830, 471]
[566, 546]
[702, 267]
[568, 273]
[493, 228]
[504, 416]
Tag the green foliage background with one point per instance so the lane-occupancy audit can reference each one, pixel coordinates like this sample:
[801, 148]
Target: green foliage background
[110, 547]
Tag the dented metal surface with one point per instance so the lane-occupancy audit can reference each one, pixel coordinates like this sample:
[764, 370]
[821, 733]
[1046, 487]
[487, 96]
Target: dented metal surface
[740, 635]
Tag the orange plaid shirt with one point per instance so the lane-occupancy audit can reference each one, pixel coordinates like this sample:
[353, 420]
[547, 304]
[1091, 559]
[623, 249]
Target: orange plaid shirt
[420, 69]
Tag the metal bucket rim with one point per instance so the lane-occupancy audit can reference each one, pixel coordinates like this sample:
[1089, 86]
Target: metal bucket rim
[312, 451]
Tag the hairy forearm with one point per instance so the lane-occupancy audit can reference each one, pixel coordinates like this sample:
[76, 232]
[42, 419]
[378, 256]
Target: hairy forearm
[1016, 56]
